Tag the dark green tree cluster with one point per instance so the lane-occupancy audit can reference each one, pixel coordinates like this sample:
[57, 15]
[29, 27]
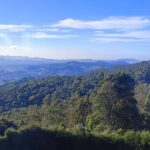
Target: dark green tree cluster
[116, 102]
[109, 110]
[45, 90]
[28, 92]
[112, 107]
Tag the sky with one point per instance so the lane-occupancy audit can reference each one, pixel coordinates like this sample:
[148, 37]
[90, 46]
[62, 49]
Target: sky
[75, 29]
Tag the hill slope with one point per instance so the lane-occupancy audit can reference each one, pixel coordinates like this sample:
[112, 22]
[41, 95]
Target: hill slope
[37, 91]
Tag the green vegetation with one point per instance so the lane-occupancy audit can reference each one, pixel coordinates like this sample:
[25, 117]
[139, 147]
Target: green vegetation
[34, 138]
[95, 110]
[117, 103]
[28, 92]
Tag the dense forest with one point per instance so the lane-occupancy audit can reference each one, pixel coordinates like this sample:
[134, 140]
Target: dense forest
[102, 109]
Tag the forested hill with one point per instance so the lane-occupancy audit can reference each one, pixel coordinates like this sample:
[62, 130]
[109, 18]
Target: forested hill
[38, 91]
[15, 68]
[139, 71]
[114, 104]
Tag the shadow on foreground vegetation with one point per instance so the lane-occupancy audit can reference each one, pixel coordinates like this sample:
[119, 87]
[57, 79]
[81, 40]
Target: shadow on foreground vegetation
[40, 139]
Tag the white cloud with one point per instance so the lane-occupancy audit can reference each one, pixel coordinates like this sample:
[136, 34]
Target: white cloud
[112, 29]
[116, 40]
[119, 23]
[29, 28]
[14, 28]
[130, 36]
[46, 29]
[43, 35]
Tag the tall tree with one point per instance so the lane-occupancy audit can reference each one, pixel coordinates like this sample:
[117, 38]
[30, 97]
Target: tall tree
[147, 103]
[117, 105]
[78, 114]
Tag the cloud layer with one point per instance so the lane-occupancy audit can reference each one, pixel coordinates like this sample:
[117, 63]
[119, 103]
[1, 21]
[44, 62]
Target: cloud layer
[129, 36]
[111, 29]
[119, 23]
[42, 35]
[14, 27]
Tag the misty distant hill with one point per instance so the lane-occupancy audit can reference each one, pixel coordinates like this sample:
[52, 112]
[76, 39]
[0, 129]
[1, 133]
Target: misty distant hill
[15, 68]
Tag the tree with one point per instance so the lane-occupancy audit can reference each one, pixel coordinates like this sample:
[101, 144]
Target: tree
[147, 103]
[78, 114]
[116, 102]
[5, 124]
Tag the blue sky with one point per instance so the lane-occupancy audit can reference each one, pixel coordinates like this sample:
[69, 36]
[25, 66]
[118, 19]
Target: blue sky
[75, 29]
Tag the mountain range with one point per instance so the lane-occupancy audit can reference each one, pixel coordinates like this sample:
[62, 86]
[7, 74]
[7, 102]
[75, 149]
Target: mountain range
[15, 67]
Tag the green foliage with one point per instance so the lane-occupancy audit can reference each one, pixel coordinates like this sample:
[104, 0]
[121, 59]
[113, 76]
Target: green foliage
[5, 124]
[42, 139]
[99, 103]
[112, 106]
[147, 103]
[116, 102]
[43, 91]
